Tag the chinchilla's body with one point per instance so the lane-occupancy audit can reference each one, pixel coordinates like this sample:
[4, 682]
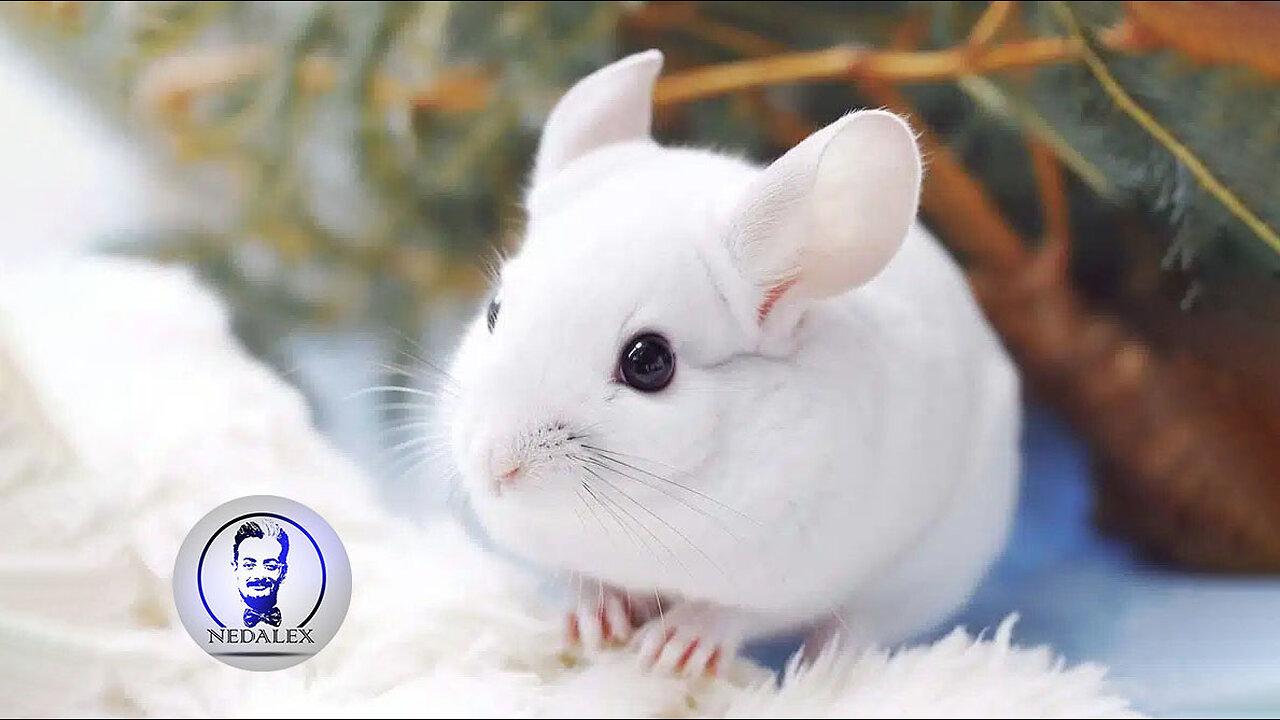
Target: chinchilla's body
[761, 397]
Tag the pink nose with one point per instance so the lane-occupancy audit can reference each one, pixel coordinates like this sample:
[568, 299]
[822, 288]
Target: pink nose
[511, 474]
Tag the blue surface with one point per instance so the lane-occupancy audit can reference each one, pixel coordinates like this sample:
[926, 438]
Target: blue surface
[1178, 644]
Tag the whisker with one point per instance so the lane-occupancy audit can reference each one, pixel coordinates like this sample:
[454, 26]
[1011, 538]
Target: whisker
[613, 455]
[411, 442]
[416, 373]
[638, 458]
[396, 368]
[635, 538]
[633, 517]
[450, 390]
[419, 465]
[596, 461]
[417, 426]
[393, 389]
[454, 483]
[429, 442]
[660, 519]
[638, 524]
[398, 469]
[597, 493]
[595, 497]
[420, 356]
[406, 406]
[578, 513]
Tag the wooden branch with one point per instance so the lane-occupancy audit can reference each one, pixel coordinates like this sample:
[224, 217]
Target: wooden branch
[1235, 33]
[1055, 212]
[741, 41]
[953, 200]
[991, 22]
[169, 84]
[855, 63]
[1188, 471]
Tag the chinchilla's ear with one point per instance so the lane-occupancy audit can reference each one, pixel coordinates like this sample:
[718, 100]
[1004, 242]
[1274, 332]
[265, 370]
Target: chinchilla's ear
[828, 215]
[611, 105]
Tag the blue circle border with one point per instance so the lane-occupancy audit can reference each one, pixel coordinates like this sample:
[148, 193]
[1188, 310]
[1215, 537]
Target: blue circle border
[324, 574]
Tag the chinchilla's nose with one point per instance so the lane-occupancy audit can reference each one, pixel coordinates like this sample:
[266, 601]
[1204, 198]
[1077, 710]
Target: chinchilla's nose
[513, 453]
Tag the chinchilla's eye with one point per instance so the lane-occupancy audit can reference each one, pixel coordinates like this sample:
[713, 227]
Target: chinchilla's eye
[491, 317]
[647, 362]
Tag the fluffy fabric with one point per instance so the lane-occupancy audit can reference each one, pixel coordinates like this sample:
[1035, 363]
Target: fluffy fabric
[127, 412]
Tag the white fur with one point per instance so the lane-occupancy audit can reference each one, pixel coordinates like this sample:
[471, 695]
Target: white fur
[94, 512]
[854, 454]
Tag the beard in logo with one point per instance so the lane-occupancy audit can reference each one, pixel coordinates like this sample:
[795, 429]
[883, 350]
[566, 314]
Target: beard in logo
[260, 561]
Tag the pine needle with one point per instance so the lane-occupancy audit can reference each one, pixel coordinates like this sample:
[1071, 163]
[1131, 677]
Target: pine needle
[1148, 123]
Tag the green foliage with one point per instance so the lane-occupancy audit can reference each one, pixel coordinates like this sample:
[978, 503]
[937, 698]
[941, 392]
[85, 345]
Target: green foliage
[326, 200]
[1226, 117]
[356, 159]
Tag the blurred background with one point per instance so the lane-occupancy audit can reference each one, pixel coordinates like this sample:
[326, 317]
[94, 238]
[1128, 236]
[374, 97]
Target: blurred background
[341, 172]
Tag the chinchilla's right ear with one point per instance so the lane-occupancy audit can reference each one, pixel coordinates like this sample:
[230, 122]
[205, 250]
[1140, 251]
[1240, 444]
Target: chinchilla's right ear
[827, 216]
[611, 105]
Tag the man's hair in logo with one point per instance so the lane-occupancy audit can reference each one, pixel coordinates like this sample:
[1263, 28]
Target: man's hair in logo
[264, 528]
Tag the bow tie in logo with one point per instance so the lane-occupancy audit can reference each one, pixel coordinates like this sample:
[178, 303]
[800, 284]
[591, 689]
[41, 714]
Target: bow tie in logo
[253, 617]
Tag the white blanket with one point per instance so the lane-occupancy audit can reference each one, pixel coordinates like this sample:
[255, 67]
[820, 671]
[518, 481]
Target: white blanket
[127, 411]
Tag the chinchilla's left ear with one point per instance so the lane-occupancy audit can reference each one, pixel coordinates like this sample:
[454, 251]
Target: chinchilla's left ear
[611, 105]
[828, 215]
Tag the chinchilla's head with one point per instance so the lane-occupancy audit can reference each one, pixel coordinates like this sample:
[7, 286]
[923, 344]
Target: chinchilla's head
[590, 391]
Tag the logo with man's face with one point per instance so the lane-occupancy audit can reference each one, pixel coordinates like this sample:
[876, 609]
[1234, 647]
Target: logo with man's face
[260, 557]
[262, 583]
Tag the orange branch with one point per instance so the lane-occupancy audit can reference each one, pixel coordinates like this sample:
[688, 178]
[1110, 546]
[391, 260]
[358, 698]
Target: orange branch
[1054, 209]
[743, 42]
[991, 22]
[169, 84]
[770, 64]
[1229, 33]
[954, 201]
[854, 63]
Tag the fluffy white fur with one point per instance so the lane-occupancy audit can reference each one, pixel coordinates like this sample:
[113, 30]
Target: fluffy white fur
[127, 412]
[848, 461]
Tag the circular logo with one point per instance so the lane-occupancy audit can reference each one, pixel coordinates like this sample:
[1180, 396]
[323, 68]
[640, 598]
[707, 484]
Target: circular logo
[262, 583]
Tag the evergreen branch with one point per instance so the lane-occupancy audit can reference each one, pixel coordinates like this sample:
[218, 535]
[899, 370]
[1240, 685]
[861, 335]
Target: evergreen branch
[996, 101]
[787, 129]
[1123, 100]
[952, 198]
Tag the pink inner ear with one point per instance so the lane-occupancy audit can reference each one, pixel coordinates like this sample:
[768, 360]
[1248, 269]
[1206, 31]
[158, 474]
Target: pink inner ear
[771, 298]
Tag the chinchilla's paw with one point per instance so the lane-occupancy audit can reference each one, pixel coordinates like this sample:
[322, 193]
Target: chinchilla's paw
[601, 617]
[691, 640]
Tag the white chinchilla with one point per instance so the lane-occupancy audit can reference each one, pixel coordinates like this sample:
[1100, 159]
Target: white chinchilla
[763, 398]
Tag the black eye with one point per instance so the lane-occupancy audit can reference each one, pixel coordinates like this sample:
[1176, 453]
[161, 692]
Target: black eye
[491, 316]
[647, 363]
